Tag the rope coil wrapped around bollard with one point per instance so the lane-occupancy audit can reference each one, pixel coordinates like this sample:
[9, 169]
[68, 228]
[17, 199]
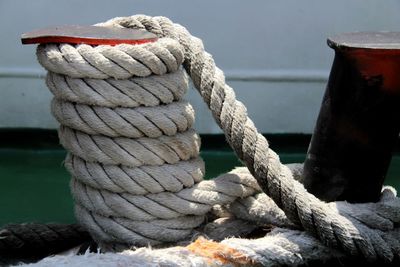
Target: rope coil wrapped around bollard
[137, 176]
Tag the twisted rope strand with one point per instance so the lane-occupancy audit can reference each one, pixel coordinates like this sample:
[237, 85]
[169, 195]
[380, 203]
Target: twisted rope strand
[134, 123]
[30, 242]
[119, 62]
[131, 152]
[152, 90]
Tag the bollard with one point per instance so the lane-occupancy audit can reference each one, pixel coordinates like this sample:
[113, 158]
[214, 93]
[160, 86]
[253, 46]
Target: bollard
[359, 121]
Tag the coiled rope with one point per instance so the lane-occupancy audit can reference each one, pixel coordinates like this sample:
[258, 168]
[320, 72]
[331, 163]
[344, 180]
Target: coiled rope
[137, 177]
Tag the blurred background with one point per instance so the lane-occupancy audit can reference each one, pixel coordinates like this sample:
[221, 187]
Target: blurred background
[273, 53]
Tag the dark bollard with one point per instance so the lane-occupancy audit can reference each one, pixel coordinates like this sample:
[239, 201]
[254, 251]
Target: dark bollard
[359, 120]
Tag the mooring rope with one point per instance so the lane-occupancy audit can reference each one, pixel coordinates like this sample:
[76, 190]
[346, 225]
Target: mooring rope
[31, 241]
[137, 176]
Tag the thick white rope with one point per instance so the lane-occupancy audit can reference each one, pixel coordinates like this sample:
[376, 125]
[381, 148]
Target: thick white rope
[120, 149]
[135, 166]
[285, 248]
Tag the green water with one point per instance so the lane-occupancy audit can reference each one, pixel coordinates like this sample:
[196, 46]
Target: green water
[34, 184]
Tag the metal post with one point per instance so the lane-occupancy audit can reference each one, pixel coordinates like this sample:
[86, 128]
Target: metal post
[359, 120]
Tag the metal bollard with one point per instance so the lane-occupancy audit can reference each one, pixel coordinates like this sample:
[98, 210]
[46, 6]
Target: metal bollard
[359, 120]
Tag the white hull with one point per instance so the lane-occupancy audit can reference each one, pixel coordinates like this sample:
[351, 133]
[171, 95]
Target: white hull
[273, 52]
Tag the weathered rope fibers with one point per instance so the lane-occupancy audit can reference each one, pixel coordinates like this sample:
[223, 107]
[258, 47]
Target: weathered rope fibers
[126, 129]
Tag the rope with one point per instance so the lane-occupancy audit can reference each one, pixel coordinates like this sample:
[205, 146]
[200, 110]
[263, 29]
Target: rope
[31, 242]
[137, 177]
[202, 252]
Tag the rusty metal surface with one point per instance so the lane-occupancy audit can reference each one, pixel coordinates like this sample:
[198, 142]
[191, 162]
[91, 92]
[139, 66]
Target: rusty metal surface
[368, 40]
[359, 121]
[93, 35]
